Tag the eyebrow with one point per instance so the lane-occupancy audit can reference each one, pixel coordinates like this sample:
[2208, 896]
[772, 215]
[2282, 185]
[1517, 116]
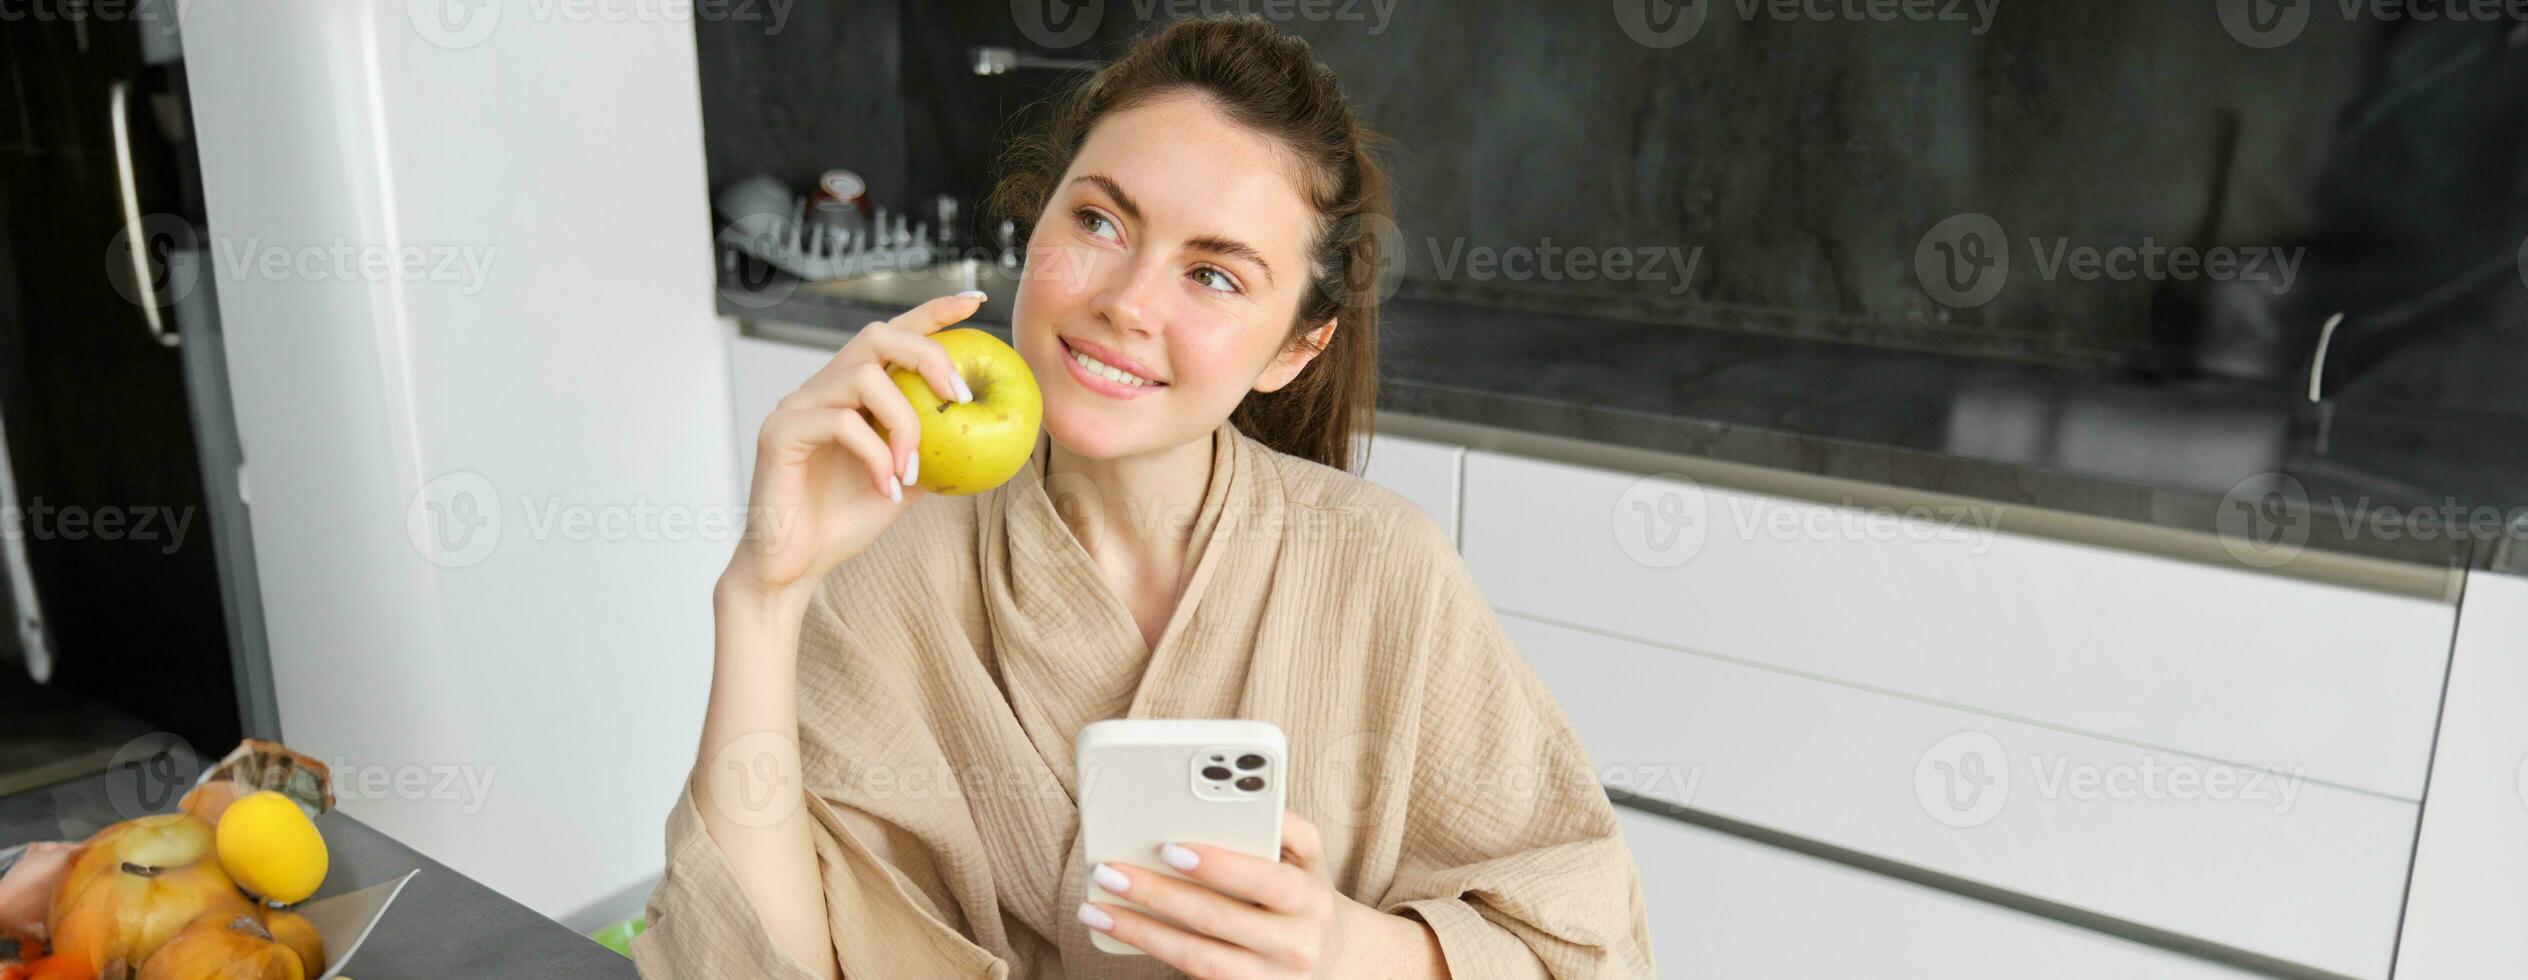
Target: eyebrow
[1213, 244]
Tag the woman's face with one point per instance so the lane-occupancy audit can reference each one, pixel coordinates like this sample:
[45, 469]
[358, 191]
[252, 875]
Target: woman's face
[1174, 249]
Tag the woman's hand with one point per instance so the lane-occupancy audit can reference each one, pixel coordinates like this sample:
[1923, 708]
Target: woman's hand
[26, 891]
[1257, 918]
[825, 484]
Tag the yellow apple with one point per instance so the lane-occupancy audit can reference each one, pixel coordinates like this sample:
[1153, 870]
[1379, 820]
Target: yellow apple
[970, 447]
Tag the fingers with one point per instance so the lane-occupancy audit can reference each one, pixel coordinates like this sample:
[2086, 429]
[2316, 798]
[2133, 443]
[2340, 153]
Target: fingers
[886, 403]
[921, 353]
[1283, 888]
[931, 317]
[1198, 908]
[796, 434]
[1197, 956]
[1301, 844]
[865, 385]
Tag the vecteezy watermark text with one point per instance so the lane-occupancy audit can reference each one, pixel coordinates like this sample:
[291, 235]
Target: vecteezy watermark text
[37, 520]
[2274, 23]
[1965, 260]
[1966, 779]
[1669, 23]
[460, 24]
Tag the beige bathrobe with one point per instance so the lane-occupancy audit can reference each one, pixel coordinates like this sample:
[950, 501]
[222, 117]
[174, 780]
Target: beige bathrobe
[944, 672]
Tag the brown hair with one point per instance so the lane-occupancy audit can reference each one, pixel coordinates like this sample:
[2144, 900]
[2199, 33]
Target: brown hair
[1267, 80]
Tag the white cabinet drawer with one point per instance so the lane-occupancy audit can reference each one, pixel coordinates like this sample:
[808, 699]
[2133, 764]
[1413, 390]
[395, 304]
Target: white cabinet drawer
[1423, 472]
[2305, 872]
[1726, 908]
[2230, 664]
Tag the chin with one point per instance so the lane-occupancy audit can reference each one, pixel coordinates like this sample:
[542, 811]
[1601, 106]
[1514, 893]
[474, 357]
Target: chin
[1084, 431]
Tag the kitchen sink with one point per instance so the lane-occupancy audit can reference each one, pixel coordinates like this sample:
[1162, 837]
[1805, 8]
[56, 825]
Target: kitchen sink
[906, 288]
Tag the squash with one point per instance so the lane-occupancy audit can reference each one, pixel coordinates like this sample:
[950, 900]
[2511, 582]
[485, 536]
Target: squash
[224, 947]
[134, 886]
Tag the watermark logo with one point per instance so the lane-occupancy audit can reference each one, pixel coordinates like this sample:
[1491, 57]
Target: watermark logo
[748, 783]
[1660, 24]
[1963, 780]
[1661, 521]
[1057, 23]
[454, 24]
[156, 262]
[455, 520]
[2274, 23]
[2265, 23]
[150, 774]
[1378, 284]
[754, 283]
[1963, 261]
[2264, 520]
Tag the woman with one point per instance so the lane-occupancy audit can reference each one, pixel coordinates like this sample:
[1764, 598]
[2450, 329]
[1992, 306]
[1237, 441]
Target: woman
[885, 788]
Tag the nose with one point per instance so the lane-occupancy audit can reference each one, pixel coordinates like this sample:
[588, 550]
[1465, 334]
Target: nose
[1131, 297]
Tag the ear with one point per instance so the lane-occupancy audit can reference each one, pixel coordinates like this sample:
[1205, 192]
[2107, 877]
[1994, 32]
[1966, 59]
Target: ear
[1287, 365]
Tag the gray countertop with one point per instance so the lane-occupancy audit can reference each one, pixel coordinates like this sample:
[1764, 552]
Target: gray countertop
[444, 924]
[2432, 488]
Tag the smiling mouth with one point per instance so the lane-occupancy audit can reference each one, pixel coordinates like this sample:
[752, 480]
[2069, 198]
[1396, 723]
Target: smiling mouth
[1107, 371]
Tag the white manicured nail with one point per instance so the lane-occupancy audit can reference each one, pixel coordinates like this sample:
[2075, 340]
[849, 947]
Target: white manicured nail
[1095, 918]
[1178, 857]
[912, 467]
[895, 491]
[972, 294]
[1110, 879]
[964, 394]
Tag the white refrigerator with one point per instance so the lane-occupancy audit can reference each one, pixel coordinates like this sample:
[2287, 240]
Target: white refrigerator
[463, 263]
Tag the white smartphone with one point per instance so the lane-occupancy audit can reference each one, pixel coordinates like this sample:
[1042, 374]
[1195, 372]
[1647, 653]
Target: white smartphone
[1144, 783]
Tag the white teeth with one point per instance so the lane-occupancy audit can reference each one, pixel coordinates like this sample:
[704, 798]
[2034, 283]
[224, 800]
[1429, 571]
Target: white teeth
[1109, 371]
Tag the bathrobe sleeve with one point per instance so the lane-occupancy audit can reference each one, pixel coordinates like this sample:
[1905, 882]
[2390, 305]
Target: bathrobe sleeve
[1511, 852]
[701, 923]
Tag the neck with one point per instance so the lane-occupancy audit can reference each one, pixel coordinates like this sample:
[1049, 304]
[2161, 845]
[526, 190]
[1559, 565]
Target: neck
[1140, 509]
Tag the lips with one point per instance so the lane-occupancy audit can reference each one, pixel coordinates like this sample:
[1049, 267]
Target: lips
[1111, 358]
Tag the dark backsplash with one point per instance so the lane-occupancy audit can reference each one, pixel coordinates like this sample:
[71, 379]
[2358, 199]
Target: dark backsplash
[1799, 167]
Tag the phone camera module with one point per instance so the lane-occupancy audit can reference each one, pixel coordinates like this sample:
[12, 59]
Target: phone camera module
[1251, 783]
[1250, 761]
[1215, 773]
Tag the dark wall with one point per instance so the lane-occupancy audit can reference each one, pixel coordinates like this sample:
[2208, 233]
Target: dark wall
[1800, 163]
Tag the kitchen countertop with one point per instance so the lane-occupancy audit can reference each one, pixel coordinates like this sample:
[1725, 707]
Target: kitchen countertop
[444, 924]
[2432, 488]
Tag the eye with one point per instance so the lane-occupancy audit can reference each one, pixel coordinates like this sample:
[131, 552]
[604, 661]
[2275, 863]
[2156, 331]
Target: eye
[1214, 279]
[1096, 224]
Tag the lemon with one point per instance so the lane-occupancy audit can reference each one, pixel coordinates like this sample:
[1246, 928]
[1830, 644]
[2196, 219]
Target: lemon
[269, 846]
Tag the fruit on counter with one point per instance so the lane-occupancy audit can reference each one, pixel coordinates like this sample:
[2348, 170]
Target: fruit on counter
[271, 847]
[294, 931]
[208, 801]
[256, 764]
[225, 947]
[971, 447]
[133, 887]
